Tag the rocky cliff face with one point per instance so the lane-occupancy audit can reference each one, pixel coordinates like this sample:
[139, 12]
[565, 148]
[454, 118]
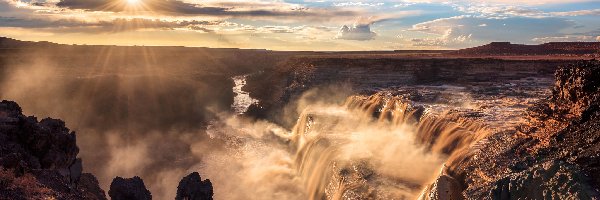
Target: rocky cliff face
[554, 154]
[285, 82]
[38, 159]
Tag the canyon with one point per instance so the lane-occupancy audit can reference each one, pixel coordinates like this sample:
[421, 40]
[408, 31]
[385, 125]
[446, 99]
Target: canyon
[259, 124]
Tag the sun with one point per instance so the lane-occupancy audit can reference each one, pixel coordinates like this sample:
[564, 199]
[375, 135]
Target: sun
[133, 2]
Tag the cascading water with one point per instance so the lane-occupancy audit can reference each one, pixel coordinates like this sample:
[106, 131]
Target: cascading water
[242, 99]
[370, 147]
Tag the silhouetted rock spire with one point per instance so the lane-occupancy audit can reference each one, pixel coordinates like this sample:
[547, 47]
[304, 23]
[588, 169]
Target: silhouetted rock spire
[192, 187]
[129, 189]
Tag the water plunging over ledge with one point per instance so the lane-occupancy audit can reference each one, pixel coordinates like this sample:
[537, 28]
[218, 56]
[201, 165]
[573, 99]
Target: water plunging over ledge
[242, 99]
[369, 147]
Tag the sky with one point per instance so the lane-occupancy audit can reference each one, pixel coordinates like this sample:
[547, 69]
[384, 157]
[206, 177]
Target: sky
[321, 25]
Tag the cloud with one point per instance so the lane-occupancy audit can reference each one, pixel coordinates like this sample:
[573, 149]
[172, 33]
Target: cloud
[344, 4]
[500, 10]
[594, 12]
[590, 36]
[566, 38]
[448, 39]
[503, 10]
[513, 29]
[512, 2]
[356, 32]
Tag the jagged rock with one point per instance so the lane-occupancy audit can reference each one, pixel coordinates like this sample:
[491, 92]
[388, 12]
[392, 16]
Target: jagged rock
[89, 183]
[30, 144]
[577, 88]
[129, 189]
[192, 187]
[39, 159]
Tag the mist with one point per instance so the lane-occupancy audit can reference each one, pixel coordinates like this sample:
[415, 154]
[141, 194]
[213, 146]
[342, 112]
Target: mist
[130, 121]
[162, 123]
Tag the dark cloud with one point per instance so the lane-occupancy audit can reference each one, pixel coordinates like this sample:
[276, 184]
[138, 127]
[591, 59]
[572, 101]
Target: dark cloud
[175, 7]
[116, 25]
[170, 6]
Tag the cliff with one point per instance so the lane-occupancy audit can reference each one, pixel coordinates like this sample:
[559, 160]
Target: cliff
[276, 87]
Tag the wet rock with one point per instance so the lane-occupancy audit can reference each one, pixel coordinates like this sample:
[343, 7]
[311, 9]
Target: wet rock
[129, 189]
[192, 187]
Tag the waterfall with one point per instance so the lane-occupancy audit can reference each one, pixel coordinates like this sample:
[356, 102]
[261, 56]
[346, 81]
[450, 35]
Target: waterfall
[369, 147]
[242, 99]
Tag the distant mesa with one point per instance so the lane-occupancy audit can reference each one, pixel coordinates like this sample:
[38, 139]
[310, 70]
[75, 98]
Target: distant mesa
[552, 48]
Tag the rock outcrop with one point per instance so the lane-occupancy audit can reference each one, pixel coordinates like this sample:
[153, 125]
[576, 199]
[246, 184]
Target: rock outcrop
[192, 187]
[444, 188]
[129, 189]
[38, 159]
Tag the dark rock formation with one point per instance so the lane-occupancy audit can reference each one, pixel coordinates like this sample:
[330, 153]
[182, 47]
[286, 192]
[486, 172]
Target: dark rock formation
[38, 160]
[129, 189]
[192, 187]
[29, 144]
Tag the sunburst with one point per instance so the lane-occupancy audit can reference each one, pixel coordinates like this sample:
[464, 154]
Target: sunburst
[133, 2]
